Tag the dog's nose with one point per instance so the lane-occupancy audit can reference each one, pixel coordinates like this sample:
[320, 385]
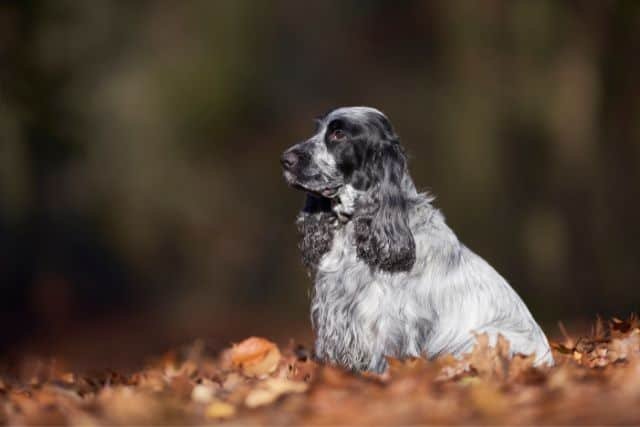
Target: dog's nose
[289, 159]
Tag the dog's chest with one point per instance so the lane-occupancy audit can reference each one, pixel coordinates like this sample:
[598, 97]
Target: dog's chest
[343, 279]
[358, 314]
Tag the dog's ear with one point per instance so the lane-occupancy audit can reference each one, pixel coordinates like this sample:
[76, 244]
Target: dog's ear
[383, 236]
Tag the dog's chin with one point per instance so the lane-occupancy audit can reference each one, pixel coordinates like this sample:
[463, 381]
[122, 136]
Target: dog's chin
[327, 192]
[320, 193]
[324, 193]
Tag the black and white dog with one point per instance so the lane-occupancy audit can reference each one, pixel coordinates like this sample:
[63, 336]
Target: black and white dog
[391, 278]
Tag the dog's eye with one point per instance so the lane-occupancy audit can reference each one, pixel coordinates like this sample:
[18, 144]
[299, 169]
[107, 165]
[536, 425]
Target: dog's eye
[336, 135]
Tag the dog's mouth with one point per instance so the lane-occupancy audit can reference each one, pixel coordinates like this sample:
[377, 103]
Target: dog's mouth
[326, 191]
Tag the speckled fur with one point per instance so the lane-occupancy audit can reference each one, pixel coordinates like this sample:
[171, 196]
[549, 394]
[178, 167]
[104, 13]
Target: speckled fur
[392, 279]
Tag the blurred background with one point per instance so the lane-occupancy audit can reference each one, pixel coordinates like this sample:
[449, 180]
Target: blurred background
[141, 198]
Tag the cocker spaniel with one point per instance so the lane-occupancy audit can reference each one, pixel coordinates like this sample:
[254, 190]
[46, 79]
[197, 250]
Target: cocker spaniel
[391, 278]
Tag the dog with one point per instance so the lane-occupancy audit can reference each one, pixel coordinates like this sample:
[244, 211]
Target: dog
[391, 279]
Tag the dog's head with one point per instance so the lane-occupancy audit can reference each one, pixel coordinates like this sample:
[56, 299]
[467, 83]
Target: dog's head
[354, 160]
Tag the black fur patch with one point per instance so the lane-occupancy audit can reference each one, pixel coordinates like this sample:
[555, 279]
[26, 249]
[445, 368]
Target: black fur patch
[316, 226]
[383, 236]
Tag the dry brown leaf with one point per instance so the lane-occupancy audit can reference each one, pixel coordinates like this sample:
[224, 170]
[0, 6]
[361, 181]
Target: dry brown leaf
[255, 356]
[271, 389]
[232, 381]
[625, 348]
[302, 370]
[490, 361]
[126, 405]
[204, 392]
[181, 386]
[218, 410]
[598, 381]
[561, 348]
[152, 380]
[334, 376]
[488, 399]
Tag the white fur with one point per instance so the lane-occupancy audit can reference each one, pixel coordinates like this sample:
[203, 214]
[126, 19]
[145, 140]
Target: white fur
[361, 314]
[372, 298]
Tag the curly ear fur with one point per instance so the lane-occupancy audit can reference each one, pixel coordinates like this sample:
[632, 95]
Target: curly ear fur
[383, 236]
[315, 225]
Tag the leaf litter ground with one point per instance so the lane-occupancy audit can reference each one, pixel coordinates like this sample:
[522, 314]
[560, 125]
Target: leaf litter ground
[596, 380]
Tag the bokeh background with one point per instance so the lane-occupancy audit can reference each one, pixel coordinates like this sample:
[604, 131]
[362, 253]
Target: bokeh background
[141, 198]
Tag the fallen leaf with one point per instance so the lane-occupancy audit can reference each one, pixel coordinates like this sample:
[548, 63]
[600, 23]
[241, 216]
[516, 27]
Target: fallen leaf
[203, 393]
[127, 405]
[597, 381]
[220, 409]
[561, 348]
[255, 356]
[271, 389]
[487, 399]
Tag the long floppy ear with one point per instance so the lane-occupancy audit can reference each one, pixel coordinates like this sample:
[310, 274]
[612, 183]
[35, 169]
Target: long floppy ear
[383, 237]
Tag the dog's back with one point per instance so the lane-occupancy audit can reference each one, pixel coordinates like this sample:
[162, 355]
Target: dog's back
[391, 279]
[361, 315]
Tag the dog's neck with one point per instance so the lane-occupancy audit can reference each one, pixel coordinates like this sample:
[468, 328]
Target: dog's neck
[344, 205]
[321, 217]
[318, 221]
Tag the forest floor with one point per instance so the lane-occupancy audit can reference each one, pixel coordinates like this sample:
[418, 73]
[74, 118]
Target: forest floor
[596, 380]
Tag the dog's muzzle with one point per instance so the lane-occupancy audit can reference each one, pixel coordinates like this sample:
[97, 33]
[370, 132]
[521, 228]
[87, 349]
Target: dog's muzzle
[293, 163]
